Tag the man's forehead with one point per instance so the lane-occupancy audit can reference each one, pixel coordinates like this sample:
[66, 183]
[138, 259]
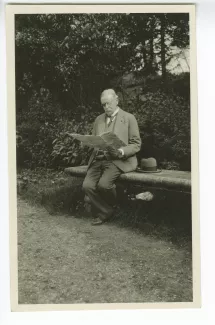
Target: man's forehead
[107, 96]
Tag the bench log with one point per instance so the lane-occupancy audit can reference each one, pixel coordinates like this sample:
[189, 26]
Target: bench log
[167, 179]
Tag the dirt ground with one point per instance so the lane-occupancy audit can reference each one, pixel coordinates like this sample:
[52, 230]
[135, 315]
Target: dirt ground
[63, 260]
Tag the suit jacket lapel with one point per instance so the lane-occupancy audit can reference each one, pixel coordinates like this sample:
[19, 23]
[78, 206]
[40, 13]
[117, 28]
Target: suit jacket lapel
[120, 120]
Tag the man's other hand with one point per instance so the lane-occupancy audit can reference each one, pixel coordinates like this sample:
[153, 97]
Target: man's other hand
[121, 153]
[116, 153]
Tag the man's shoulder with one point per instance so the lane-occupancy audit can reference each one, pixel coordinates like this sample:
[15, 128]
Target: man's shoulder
[99, 117]
[127, 114]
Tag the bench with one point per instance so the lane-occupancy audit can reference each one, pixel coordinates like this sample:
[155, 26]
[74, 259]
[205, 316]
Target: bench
[174, 180]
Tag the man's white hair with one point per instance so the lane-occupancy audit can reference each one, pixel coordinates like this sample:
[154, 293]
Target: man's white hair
[109, 92]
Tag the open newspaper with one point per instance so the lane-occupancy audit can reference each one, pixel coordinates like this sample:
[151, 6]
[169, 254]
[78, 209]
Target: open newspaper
[105, 141]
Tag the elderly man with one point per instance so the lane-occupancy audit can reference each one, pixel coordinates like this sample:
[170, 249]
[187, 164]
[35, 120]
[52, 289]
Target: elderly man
[105, 167]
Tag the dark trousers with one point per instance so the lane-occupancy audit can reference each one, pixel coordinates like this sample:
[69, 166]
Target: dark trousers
[99, 186]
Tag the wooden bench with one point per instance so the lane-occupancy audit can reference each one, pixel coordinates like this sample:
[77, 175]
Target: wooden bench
[173, 180]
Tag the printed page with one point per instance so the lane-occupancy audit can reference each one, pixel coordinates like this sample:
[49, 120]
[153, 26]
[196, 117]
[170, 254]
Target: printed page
[112, 140]
[90, 141]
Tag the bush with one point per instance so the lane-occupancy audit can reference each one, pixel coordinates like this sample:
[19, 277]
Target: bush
[163, 117]
[164, 122]
[42, 139]
[37, 125]
[66, 150]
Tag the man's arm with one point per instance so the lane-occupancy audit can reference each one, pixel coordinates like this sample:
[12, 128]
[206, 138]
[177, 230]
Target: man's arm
[134, 140]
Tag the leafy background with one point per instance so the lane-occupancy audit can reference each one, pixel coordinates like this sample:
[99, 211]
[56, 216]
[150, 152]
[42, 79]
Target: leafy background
[63, 62]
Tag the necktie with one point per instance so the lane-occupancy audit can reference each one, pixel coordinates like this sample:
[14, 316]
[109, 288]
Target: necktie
[110, 119]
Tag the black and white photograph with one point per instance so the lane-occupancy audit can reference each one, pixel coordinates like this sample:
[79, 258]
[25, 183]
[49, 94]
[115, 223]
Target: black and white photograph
[105, 161]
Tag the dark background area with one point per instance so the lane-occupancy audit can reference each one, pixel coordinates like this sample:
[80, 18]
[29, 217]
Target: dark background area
[64, 62]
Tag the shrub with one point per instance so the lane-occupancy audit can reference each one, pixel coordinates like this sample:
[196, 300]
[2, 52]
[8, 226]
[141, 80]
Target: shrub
[163, 118]
[164, 123]
[66, 150]
[37, 126]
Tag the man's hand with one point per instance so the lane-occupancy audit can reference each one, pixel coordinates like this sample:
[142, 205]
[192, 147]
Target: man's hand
[116, 153]
[121, 152]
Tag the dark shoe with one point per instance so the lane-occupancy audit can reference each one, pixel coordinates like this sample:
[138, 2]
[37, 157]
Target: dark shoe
[97, 222]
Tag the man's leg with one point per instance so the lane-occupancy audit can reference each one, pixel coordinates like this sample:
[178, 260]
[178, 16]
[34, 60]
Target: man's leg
[90, 183]
[101, 191]
[106, 184]
[107, 190]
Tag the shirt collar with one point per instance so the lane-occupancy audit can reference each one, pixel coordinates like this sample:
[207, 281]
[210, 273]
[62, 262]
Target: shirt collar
[116, 111]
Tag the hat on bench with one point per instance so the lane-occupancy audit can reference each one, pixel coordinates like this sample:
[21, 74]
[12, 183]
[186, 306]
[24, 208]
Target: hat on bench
[148, 165]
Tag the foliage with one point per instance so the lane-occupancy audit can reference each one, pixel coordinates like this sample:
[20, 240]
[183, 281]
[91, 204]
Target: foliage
[62, 52]
[68, 151]
[163, 119]
[63, 62]
[164, 127]
[37, 127]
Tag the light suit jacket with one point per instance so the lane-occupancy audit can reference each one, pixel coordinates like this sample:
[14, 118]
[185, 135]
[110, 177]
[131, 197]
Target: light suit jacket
[126, 128]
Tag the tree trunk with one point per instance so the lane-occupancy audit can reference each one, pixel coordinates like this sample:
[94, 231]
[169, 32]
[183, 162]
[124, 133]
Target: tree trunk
[163, 46]
[151, 46]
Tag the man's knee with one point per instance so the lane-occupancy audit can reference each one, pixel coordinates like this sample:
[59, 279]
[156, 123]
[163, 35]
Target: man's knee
[88, 185]
[104, 185]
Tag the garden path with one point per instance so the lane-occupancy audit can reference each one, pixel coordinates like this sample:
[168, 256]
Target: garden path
[63, 259]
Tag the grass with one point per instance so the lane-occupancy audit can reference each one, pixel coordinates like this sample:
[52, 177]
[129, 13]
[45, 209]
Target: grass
[168, 215]
[143, 255]
[63, 259]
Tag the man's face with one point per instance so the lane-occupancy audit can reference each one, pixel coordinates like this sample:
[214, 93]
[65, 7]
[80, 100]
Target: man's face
[109, 103]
